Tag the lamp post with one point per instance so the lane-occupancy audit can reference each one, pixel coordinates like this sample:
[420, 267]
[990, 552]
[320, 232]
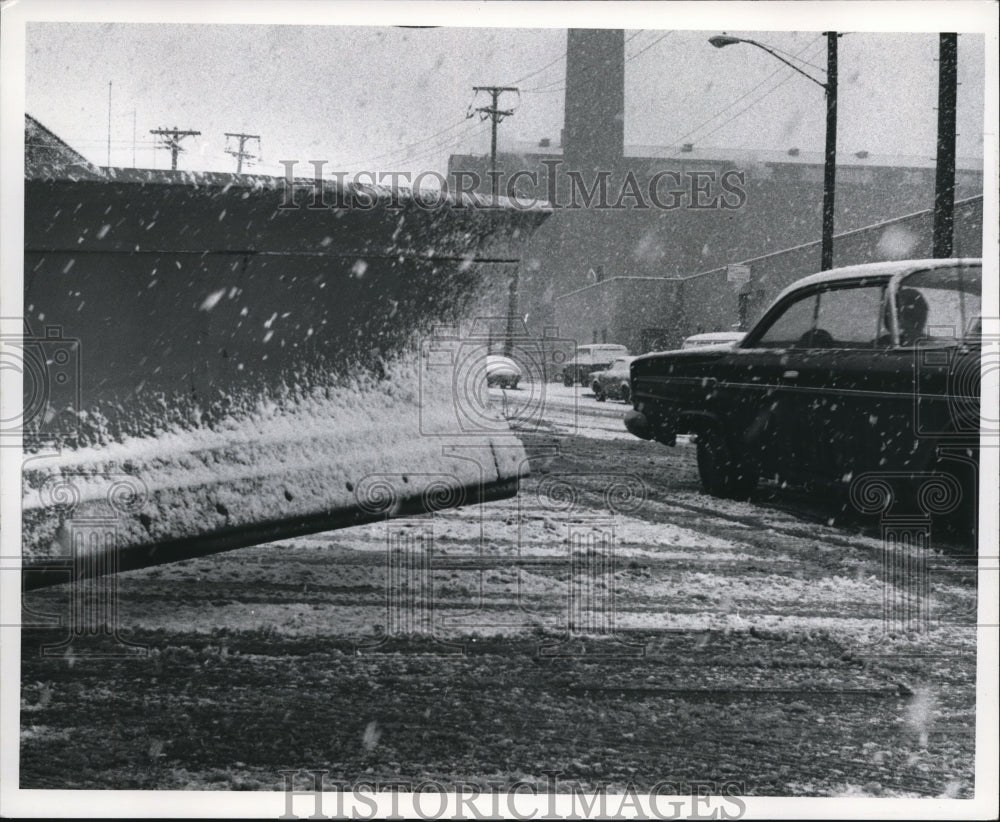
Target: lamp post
[830, 164]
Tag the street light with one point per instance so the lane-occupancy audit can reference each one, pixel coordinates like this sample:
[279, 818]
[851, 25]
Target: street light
[830, 165]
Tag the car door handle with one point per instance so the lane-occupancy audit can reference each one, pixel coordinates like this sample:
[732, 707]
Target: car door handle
[790, 375]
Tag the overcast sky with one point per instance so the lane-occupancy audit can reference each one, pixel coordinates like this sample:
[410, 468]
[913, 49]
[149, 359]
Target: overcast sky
[395, 99]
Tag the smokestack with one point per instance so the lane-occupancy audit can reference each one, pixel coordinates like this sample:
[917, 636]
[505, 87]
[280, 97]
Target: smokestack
[594, 133]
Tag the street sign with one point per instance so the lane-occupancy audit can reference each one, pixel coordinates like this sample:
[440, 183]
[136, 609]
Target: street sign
[737, 273]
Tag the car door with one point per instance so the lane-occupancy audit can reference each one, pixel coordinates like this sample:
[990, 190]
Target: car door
[936, 375]
[841, 385]
[756, 391]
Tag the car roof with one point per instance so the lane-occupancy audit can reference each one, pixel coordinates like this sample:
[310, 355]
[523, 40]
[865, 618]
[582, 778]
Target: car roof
[888, 270]
[716, 335]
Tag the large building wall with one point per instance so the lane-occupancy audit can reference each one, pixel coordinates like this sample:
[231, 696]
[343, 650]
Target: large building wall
[630, 308]
[634, 312]
[781, 210]
[909, 237]
[773, 201]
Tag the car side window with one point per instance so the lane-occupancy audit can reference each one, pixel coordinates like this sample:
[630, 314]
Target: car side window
[848, 318]
[940, 305]
[789, 327]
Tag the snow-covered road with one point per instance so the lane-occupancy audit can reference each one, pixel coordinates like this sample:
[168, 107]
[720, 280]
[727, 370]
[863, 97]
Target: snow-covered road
[611, 623]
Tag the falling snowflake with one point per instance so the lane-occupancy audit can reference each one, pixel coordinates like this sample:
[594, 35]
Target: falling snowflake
[212, 300]
[371, 736]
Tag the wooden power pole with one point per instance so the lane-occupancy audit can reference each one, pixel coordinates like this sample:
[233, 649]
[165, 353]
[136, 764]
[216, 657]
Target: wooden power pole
[496, 115]
[239, 153]
[944, 183]
[171, 138]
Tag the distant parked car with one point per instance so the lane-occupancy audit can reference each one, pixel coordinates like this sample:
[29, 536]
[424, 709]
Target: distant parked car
[502, 371]
[612, 382]
[590, 358]
[713, 338]
[867, 371]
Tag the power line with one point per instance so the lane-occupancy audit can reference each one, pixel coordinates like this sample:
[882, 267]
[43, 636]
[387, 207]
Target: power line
[796, 56]
[647, 48]
[474, 131]
[403, 149]
[547, 88]
[740, 112]
[561, 57]
[428, 151]
[728, 106]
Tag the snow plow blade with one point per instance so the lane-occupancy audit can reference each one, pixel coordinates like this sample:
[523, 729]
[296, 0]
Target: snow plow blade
[216, 361]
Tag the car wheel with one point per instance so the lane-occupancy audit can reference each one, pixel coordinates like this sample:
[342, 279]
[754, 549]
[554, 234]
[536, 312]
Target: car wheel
[599, 395]
[724, 471]
[568, 380]
[626, 395]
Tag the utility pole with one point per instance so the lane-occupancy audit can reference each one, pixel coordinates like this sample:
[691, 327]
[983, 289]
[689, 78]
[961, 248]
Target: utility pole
[108, 166]
[240, 154]
[172, 139]
[830, 163]
[496, 115]
[944, 183]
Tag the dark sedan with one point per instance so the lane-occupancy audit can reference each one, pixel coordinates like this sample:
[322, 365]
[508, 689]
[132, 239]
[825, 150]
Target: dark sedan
[873, 368]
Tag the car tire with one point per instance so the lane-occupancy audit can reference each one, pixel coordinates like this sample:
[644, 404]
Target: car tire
[626, 395]
[723, 469]
[568, 380]
[599, 395]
